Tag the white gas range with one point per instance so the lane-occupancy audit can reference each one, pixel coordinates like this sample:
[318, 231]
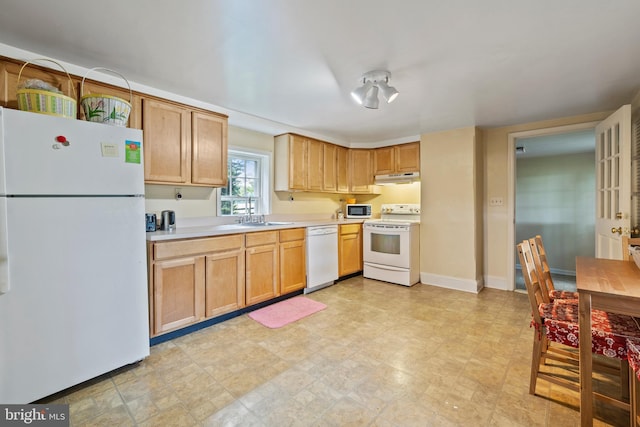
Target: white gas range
[392, 245]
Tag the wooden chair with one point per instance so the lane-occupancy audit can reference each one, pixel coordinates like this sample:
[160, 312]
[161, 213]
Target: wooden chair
[557, 323]
[633, 355]
[633, 347]
[626, 241]
[544, 273]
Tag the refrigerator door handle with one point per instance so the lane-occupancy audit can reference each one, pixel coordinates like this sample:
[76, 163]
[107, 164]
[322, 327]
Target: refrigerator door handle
[4, 248]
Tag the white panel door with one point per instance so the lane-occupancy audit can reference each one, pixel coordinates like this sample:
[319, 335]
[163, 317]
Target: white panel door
[613, 182]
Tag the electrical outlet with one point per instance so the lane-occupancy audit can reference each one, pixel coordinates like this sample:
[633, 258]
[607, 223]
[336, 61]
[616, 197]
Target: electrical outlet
[178, 193]
[496, 201]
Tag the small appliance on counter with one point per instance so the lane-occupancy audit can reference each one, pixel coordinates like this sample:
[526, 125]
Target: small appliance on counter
[168, 220]
[358, 210]
[150, 221]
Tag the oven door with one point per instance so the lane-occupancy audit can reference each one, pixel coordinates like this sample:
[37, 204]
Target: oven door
[387, 244]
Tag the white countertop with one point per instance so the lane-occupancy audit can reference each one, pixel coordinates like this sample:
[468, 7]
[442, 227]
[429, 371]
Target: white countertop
[195, 231]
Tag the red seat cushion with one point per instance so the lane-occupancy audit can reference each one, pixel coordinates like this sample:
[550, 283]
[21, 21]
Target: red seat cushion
[557, 294]
[633, 355]
[609, 331]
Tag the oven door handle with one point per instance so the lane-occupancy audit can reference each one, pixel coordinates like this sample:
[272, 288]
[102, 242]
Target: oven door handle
[385, 230]
[385, 267]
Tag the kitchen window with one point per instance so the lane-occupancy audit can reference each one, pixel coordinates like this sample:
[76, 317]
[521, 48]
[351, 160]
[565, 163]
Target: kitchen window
[247, 180]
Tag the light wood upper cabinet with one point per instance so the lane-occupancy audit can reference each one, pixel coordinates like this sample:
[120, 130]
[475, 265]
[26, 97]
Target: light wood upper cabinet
[306, 164]
[360, 170]
[408, 157]
[167, 142]
[290, 152]
[183, 146]
[384, 160]
[9, 72]
[342, 169]
[299, 163]
[208, 149]
[349, 249]
[315, 163]
[330, 168]
[397, 159]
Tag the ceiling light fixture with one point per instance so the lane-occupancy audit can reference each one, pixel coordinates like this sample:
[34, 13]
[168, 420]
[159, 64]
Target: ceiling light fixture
[372, 82]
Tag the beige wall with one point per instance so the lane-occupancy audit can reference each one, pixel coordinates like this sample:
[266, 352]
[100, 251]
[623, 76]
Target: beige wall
[451, 225]
[496, 183]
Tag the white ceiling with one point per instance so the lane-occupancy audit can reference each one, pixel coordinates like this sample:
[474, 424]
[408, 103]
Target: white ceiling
[456, 63]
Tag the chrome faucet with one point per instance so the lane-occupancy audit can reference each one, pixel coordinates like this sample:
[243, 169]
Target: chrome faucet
[250, 218]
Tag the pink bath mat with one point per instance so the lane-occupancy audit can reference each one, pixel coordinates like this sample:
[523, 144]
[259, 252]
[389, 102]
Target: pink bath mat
[284, 312]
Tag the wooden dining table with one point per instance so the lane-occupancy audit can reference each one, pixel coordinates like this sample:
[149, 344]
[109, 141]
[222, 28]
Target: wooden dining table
[604, 284]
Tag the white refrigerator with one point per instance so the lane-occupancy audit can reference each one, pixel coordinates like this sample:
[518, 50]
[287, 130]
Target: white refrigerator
[73, 280]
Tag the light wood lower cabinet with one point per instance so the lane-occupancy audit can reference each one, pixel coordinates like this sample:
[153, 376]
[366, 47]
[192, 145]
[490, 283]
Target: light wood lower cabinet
[192, 280]
[262, 266]
[293, 272]
[224, 288]
[349, 249]
[178, 293]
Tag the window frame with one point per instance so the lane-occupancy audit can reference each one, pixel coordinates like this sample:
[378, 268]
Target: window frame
[264, 176]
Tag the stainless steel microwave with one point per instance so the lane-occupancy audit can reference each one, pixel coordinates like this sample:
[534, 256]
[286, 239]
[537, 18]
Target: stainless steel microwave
[358, 210]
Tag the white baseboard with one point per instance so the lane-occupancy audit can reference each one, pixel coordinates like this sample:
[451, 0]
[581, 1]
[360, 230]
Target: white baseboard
[495, 282]
[466, 285]
[563, 272]
[554, 271]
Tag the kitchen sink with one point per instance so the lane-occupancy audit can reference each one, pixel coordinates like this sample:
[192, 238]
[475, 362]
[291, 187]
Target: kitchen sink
[251, 225]
[264, 224]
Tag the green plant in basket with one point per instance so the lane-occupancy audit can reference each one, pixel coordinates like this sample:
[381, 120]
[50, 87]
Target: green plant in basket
[96, 111]
[115, 115]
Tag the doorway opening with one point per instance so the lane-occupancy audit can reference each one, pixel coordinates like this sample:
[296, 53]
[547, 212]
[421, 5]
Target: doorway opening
[552, 190]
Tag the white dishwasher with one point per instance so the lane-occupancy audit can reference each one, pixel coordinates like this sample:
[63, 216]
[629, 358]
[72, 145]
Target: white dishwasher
[322, 257]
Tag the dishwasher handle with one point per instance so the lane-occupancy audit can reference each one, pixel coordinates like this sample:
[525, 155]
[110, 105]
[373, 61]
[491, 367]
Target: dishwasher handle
[320, 231]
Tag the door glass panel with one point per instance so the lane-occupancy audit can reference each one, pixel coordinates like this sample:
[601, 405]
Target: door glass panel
[385, 243]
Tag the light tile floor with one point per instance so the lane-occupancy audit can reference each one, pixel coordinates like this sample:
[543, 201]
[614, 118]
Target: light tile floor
[379, 355]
